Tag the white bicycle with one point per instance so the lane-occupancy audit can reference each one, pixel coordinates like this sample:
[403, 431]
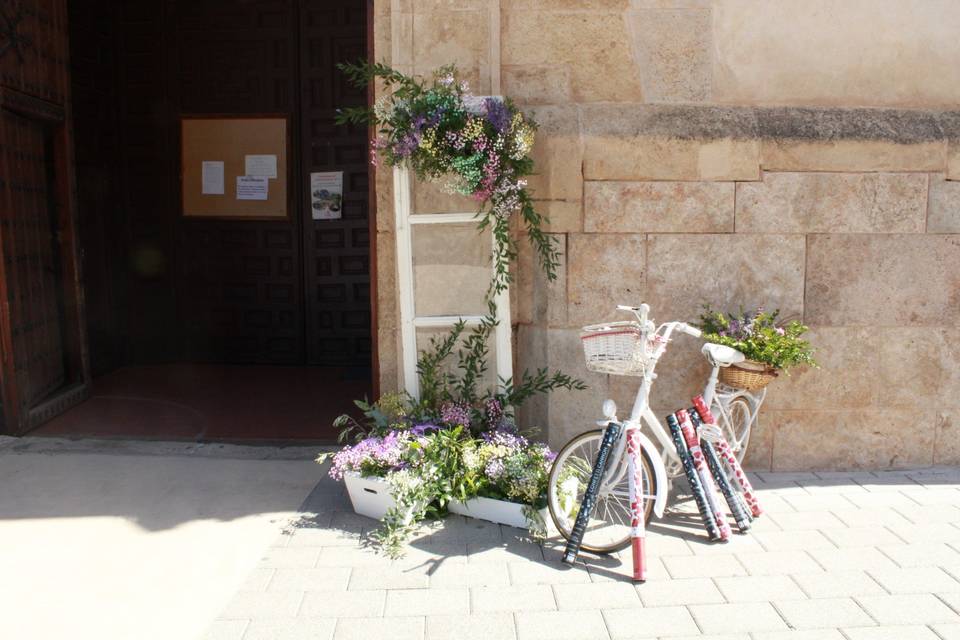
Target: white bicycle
[633, 348]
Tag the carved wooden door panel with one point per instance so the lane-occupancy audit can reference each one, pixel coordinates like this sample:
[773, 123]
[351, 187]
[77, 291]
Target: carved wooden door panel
[336, 252]
[43, 368]
[241, 292]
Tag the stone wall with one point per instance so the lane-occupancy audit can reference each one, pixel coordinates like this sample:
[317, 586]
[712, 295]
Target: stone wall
[799, 154]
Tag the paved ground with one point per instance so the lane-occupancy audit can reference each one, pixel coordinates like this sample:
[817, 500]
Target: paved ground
[847, 556]
[110, 540]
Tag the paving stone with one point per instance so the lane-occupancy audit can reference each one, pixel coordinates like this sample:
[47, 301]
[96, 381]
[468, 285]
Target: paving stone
[925, 496]
[626, 624]
[930, 514]
[542, 573]
[349, 557]
[922, 555]
[908, 609]
[310, 578]
[951, 597]
[257, 580]
[805, 521]
[433, 555]
[833, 484]
[759, 589]
[406, 628]
[712, 636]
[622, 570]
[392, 577]
[792, 540]
[470, 575]
[262, 604]
[596, 595]
[916, 580]
[505, 552]
[284, 557]
[538, 597]
[680, 592]
[772, 563]
[883, 500]
[703, 566]
[423, 602]
[829, 502]
[343, 604]
[667, 545]
[836, 584]
[850, 559]
[298, 629]
[805, 634]
[823, 613]
[948, 631]
[323, 537]
[927, 533]
[561, 625]
[738, 543]
[913, 632]
[226, 630]
[860, 536]
[872, 517]
[479, 627]
[741, 616]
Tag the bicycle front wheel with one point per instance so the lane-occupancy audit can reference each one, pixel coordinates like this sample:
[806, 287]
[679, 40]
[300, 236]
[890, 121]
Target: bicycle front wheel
[609, 526]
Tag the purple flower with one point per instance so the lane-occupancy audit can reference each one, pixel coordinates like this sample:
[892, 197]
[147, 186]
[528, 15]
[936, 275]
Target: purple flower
[421, 429]
[494, 412]
[506, 439]
[497, 114]
[383, 453]
[455, 414]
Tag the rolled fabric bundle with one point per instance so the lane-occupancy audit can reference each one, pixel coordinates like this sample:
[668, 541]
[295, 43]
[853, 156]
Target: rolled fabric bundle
[727, 454]
[610, 435]
[690, 470]
[737, 509]
[700, 464]
[638, 531]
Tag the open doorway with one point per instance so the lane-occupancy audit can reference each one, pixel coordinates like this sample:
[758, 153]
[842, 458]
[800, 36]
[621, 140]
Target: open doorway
[217, 327]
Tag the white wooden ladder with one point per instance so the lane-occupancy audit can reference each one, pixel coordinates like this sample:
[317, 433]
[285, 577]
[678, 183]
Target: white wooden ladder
[406, 219]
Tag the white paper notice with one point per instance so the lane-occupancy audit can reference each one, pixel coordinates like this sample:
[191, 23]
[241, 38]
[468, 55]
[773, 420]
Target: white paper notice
[261, 166]
[326, 195]
[212, 178]
[252, 187]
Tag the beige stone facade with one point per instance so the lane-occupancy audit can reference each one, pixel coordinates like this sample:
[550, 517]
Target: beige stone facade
[799, 154]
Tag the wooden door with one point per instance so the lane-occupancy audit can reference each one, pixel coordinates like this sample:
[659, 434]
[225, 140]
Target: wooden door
[44, 365]
[336, 252]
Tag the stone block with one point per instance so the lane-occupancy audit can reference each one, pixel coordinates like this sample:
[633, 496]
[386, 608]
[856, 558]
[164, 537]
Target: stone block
[778, 154]
[833, 203]
[873, 280]
[537, 84]
[442, 37]
[844, 354]
[953, 160]
[658, 207]
[571, 412]
[673, 49]
[557, 154]
[611, 157]
[944, 208]
[603, 270]
[828, 54]
[947, 447]
[918, 367]
[866, 439]
[726, 271]
[563, 216]
[592, 47]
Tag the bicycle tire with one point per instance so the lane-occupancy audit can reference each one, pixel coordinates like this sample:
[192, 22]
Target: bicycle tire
[737, 417]
[562, 520]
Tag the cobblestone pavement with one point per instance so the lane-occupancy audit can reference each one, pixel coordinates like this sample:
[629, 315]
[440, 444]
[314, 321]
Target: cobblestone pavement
[838, 556]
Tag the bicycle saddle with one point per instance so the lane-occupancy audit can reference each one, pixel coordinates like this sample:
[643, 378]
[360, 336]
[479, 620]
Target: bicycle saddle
[722, 355]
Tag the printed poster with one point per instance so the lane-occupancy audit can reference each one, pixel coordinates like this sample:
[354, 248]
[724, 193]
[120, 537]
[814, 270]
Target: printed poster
[260, 165]
[326, 195]
[252, 187]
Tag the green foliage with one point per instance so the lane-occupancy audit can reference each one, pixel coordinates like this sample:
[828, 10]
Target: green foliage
[479, 149]
[758, 336]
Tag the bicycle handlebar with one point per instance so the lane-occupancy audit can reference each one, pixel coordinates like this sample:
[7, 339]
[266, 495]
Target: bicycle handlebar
[644, 309]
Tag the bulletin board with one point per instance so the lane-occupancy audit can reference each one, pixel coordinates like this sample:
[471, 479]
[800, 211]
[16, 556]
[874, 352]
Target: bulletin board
[208, 139]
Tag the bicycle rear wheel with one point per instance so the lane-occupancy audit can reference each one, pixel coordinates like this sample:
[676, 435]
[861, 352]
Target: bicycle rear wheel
[737, 419]
[609, 526]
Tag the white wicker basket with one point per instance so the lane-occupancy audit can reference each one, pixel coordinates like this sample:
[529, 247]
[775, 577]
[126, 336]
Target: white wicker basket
[617, 348]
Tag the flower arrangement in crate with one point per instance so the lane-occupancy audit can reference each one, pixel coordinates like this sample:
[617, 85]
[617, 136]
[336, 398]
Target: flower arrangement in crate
[477, 146]
[455, 448]
[769, 346]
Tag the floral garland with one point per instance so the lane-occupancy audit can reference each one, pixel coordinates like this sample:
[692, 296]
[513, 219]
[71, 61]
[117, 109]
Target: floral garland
[479, 146]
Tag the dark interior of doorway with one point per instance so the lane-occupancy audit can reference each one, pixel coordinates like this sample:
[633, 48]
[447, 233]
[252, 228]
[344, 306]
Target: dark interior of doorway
[207, 328]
